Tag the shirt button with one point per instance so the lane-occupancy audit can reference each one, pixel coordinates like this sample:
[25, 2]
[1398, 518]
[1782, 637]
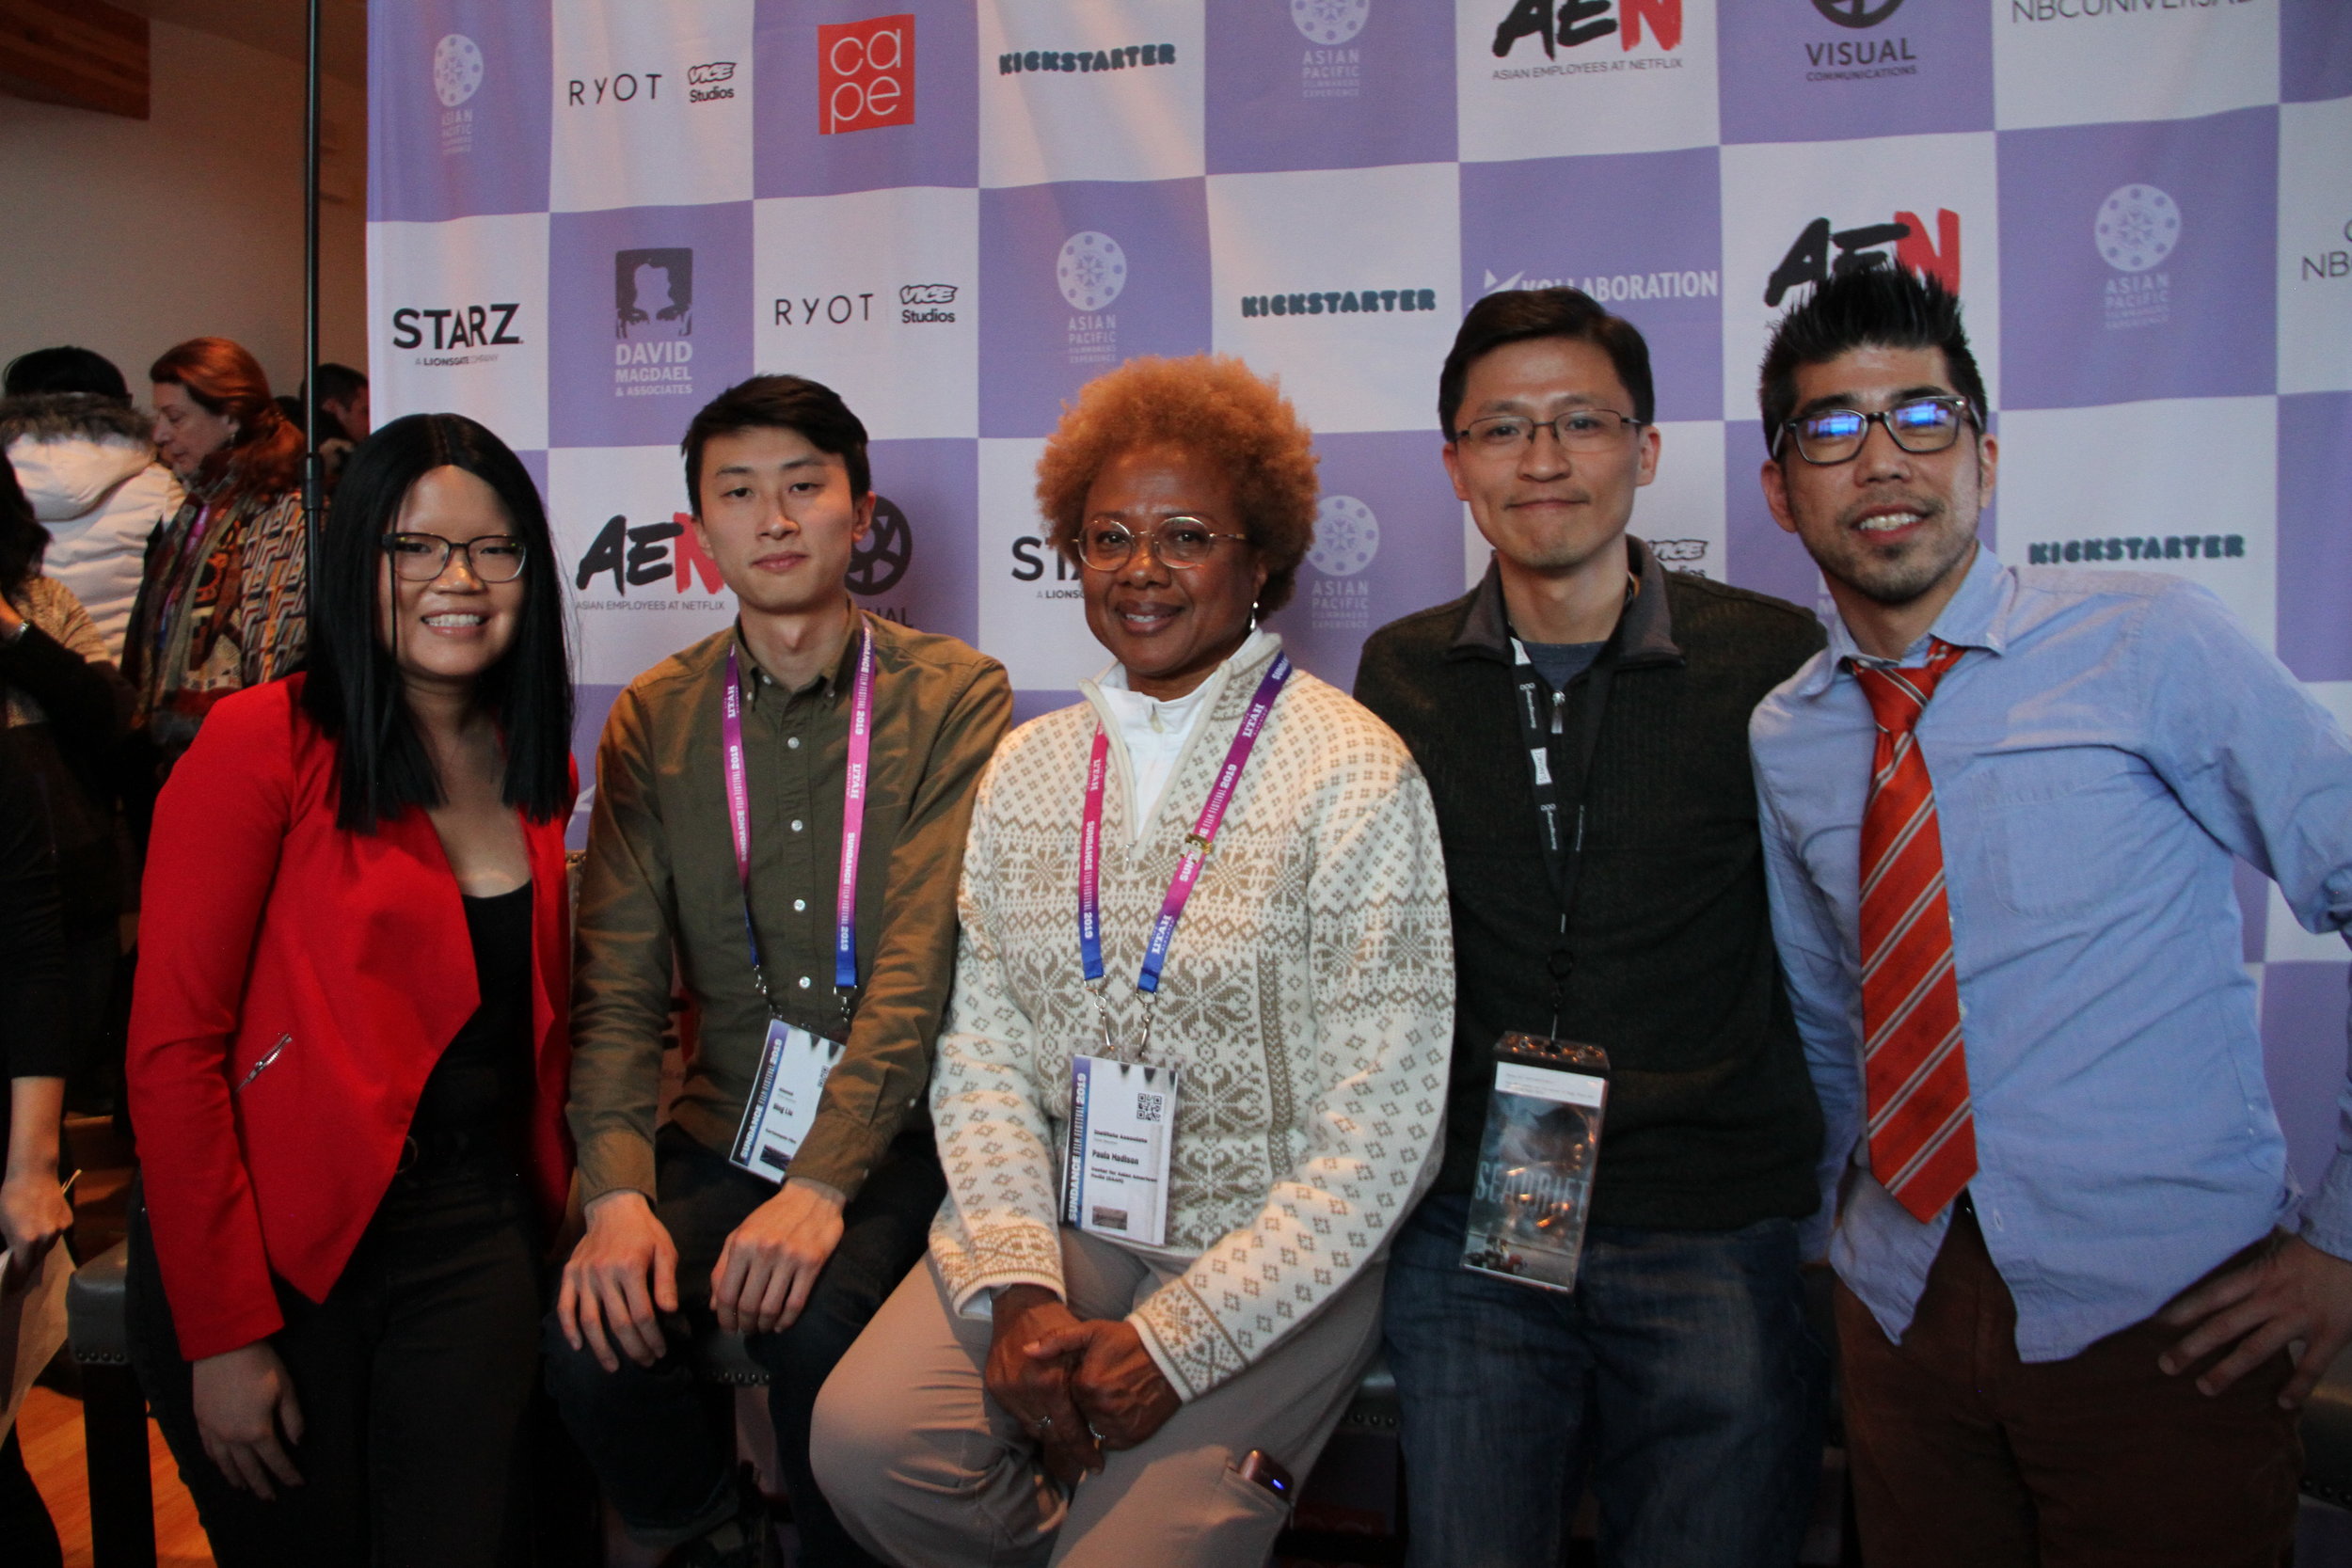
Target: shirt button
[805, 982]
[800, 906]
[796, 824]
[793, 742]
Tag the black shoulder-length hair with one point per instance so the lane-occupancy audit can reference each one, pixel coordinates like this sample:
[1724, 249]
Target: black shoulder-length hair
[353, 690]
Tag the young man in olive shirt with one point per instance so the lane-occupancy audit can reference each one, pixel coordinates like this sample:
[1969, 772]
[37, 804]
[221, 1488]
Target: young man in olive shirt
[1677, 1378]
[678, 1236]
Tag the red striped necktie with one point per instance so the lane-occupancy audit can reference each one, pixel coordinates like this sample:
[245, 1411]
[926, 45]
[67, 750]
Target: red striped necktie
[1923, 1136]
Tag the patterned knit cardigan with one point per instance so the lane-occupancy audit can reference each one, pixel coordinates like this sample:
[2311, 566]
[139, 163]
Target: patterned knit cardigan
[1307, 1001]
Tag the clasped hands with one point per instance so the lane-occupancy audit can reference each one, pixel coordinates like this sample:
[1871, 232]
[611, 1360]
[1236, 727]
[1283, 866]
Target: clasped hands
[1077, 1386]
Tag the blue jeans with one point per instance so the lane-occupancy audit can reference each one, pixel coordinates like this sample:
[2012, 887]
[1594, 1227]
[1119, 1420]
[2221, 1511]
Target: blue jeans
[1680, 1380]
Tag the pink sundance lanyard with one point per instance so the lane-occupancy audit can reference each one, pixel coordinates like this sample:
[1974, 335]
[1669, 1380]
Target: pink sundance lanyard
[853, 815]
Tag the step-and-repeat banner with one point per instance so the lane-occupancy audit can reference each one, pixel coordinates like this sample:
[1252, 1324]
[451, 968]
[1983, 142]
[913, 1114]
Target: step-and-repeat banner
[588, 216]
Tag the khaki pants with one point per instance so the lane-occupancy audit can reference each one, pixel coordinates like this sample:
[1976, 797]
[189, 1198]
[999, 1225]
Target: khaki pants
[926, 1470]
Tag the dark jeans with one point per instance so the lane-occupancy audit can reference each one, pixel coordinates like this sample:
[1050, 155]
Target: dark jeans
[1679, 1380]
[645, 1429]
[413, 1377]
[25, 1525]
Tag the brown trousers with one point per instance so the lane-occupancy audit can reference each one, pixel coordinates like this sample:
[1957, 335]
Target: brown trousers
[1965, 1456]
[927, 1470]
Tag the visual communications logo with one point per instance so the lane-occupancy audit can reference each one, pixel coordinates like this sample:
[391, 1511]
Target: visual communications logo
[1821, 252]
[1347, 537]
[1340, 302]
[1090, 271]
[1687, 284]
[1850, 60]
[2135, 228]
[1559, 25]
[1329, 67]
[645, 556]
[882, 557]
[457, 67]
[1683, 555]
[1133, 55]
[864, 74]
[653, 316]
[1857, 14]
[472, 327]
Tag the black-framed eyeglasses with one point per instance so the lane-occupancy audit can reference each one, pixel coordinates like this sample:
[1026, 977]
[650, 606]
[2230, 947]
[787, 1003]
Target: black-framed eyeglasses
[422, 557]
[1578, 430]
[1918, 425]
[1179, 541]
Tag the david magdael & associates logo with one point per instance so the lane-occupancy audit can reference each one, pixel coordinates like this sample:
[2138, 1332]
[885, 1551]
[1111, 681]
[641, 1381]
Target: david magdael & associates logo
[1822, 252]
[1572, 25]
[653, 319]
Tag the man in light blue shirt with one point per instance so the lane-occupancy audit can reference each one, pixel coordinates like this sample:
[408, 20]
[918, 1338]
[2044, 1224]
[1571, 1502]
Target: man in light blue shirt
[2085, 1357]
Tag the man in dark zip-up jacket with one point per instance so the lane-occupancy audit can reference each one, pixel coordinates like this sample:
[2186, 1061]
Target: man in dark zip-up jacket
[1677, 1377]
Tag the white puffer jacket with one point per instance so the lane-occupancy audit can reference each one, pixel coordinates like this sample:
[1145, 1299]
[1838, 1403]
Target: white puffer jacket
[86, 466]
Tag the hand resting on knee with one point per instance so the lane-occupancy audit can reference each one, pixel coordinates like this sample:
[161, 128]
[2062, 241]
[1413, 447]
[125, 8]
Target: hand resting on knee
[623, 1271]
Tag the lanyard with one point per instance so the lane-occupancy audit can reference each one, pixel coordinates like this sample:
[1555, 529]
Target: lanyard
[1563, 839]
[852, 817]
[1188, 864]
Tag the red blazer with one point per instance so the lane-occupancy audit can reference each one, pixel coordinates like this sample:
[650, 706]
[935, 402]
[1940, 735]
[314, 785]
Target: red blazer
[297, 983]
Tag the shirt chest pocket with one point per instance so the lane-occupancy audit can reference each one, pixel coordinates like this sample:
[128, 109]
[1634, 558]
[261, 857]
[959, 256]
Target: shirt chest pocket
[2060, 827]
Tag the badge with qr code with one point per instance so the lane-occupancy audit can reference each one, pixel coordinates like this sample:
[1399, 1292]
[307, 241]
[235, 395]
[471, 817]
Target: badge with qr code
[1123, 1118]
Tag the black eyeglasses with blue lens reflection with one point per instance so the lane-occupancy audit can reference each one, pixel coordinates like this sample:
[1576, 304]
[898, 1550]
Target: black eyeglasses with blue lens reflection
[1918, 425]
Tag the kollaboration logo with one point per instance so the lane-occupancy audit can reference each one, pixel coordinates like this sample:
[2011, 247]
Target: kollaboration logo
[1347, 537]
[1085, 59]
[475, 328]
[1810, 259]
[1340, 302]
[457, 67]
[918, 304]
[1573, 23]
[864, 74]
[1329, 67]
[653, 311]
[1859, 59]
[1090, 271]
[2135, 228]
[2171, 546]
[1689, 283]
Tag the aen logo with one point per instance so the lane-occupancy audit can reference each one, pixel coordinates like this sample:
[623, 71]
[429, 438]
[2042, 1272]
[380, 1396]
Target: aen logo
[864, 74]
[1090, 271]
[2137, 227]
[1347, 536]
[649, 554]
[1570, 23]
[1857, 14]
[1329, 21]
[456, 69]
[1810, 259]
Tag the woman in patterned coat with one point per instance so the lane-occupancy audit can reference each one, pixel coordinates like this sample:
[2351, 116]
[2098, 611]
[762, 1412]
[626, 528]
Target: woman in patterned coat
[1139, 1369]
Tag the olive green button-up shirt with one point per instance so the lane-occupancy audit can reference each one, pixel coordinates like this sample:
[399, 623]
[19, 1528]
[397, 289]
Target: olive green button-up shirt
[660, 889]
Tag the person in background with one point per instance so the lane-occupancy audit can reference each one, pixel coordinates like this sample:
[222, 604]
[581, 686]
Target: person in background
[86, 461]
[349, 1040]
[66, 709]
[1193, 1334]
[692, 1224]
[221, 605]
[1679, 1376]
[343, 399]
[2079, 1293]
[34, 1049]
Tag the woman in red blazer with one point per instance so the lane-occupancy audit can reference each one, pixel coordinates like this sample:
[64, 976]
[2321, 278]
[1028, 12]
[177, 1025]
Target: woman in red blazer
[348, 1048]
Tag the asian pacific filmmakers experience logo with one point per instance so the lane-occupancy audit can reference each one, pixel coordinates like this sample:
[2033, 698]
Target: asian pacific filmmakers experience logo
[457, 67]
[1329, 21]
[1091, 270]
[1330, 69]
[1347, 537]
[2135, 228]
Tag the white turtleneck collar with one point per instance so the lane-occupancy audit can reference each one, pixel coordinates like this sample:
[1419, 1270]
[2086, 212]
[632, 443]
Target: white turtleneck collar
[1154, 732]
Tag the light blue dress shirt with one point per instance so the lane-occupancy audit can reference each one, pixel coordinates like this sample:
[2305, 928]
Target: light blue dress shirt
[2108, 742]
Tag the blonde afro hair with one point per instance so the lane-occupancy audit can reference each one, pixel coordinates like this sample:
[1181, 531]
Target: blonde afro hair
[1210, 405]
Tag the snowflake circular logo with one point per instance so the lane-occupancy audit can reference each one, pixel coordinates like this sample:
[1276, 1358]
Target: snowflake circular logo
[456, 69]
[1347, 536]
[1091, 270]
[1328, 21]
[2138, 227]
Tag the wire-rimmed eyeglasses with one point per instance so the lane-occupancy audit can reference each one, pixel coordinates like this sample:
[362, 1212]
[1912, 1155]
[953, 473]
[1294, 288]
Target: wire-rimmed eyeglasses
[1179, 541]
[1578, 430]
[422, 557]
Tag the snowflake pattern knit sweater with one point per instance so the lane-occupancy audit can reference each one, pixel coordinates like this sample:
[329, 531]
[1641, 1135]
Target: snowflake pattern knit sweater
[1307, 1001]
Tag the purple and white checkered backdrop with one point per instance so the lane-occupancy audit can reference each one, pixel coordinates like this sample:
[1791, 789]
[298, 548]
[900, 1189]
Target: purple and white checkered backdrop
[587, 216]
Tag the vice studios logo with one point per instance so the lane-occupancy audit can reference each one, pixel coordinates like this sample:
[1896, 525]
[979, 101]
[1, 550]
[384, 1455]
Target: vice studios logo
[1838, 58]
[457, 71]
[1572, 25]
[2135, 228]
[1822, 252]
[1332, 66]
[652, 322]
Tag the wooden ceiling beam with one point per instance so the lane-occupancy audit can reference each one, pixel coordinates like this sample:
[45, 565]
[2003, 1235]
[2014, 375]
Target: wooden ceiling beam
[86, 55]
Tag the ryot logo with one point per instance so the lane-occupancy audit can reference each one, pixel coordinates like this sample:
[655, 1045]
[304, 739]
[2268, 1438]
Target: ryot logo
[1810, 259]
[864, 74]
